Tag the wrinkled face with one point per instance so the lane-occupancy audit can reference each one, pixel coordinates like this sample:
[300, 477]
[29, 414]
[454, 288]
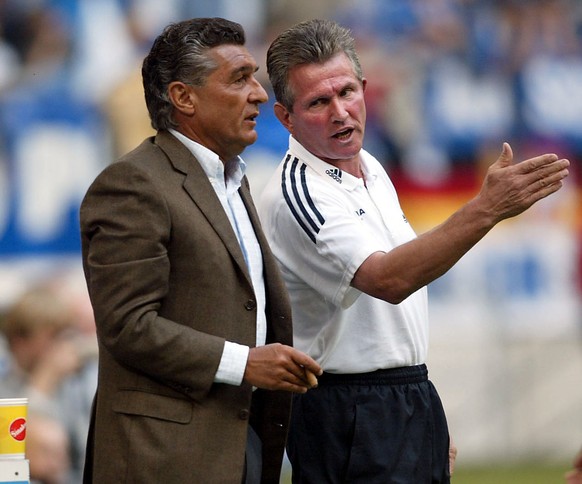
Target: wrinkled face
[329, 113]
[228, 104]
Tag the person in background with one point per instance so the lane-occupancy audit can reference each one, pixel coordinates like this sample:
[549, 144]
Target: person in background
[196, 367]
[357, 273]
[574, 476]
[51, 361]
[37, 328]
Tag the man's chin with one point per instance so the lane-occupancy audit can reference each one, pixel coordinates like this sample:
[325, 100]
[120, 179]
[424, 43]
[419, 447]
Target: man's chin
[251, 138]
[348, 152]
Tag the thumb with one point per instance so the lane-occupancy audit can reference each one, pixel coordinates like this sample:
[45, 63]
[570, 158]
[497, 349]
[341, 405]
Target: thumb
[506, 156]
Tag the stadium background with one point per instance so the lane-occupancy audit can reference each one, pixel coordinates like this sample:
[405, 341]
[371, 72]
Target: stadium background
[449, 81]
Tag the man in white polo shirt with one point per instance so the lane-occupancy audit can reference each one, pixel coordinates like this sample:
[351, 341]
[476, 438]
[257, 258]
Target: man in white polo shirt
[357, 273]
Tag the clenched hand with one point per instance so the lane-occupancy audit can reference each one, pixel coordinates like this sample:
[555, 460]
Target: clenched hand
[280, 367]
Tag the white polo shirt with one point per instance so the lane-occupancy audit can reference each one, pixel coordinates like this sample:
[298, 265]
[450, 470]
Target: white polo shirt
[322, 223]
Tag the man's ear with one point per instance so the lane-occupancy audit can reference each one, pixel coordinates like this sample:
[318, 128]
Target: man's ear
[283, 116]
[183, 97]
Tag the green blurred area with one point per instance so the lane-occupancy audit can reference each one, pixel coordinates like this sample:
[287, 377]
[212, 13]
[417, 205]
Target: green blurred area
[522, 474]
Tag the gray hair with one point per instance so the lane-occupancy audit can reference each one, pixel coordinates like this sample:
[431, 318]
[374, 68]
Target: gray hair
[310, 42]
[180, 53]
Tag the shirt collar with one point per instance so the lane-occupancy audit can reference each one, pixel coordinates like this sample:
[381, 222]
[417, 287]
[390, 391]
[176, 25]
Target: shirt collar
[214, 168]
[330, 172]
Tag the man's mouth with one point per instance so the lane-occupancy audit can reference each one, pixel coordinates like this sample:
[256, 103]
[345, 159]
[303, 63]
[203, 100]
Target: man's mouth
[343, 134]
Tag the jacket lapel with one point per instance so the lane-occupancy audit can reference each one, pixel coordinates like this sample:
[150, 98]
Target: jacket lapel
[198, 187]
[247, 199]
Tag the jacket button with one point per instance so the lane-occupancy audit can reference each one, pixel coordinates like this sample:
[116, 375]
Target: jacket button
[244, 414]
[250, 305]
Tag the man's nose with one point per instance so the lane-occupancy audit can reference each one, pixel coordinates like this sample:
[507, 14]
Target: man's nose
[338, 110]
[258, 94]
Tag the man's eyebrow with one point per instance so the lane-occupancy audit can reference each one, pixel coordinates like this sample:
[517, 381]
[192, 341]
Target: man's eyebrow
[246, 69]
[323, 96]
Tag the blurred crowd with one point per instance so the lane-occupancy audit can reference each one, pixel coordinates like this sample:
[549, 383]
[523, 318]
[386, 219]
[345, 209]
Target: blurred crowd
[454, 78]
[449, 80]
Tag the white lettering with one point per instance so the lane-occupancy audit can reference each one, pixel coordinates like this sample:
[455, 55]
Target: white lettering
[55, 164]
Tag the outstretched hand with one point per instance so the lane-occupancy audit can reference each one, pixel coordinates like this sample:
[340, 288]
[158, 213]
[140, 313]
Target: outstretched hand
[511, 188]
[280, 367]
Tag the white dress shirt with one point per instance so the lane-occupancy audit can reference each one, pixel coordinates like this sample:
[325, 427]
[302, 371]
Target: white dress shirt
[226, 179]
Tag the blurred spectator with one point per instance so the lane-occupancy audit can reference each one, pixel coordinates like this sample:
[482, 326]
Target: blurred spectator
[9, 63]
[34, 328]
[542, 45]
[528, 29]
[574, 476]
[47, 450]
[124, 105]
[39, 36]
[51, 362]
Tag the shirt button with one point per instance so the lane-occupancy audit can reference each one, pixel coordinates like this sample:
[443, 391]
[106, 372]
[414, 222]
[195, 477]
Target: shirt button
[244, 414]
[250, 305]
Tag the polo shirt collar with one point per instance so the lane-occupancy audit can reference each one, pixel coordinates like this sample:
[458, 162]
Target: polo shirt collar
[327, 171]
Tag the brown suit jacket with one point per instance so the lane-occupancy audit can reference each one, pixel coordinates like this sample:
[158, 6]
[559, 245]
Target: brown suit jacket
[169, 285]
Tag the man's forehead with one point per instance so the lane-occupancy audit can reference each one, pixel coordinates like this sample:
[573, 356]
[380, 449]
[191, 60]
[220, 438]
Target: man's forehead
[317, 79]
[234, 57]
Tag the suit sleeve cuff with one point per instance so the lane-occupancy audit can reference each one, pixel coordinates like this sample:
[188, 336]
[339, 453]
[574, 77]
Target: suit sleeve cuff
[232, 364]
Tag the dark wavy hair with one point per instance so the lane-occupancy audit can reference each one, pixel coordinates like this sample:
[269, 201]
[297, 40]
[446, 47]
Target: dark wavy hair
[180, 53]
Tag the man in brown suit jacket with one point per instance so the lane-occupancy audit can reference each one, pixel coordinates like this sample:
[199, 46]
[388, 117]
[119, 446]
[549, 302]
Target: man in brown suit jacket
[196, 366]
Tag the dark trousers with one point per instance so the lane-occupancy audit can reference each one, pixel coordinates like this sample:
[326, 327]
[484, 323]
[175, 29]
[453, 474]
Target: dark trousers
[383, 427]
[253, 458]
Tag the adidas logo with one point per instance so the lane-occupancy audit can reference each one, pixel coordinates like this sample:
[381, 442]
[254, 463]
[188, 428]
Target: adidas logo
[335, 173]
